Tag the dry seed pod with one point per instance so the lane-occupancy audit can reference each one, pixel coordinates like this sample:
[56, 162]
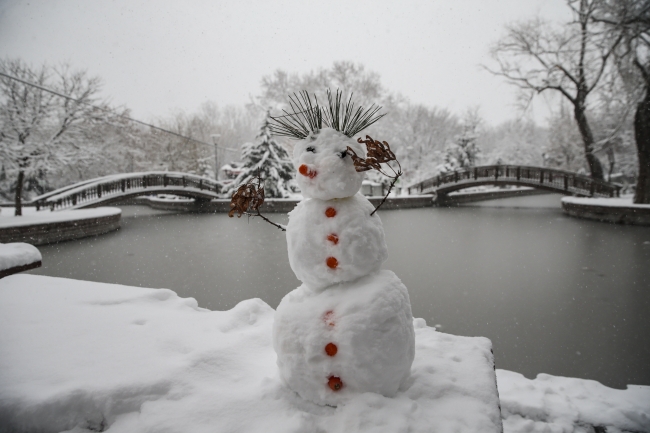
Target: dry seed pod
[248, 197]
[247, 200]
[377, 153]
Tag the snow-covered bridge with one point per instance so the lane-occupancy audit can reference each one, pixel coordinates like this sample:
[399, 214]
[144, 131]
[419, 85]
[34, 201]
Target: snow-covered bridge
[115, 188]
[559, 181]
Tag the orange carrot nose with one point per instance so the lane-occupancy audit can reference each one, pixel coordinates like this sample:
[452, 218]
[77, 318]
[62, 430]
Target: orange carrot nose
[306, 171]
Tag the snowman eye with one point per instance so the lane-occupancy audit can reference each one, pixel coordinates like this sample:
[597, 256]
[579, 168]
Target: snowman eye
[342, 154]
[311, 149]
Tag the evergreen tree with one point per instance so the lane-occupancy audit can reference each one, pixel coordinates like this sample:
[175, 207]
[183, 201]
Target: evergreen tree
[266, 157]
[464, 152]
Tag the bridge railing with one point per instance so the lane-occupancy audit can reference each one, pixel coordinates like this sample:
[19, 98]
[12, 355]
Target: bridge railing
[125, 184]
[547, 178]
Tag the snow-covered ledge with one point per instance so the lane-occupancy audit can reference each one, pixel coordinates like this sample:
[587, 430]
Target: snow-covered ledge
[18, 257]
[44, 226]
[614, 210]
[91, 356]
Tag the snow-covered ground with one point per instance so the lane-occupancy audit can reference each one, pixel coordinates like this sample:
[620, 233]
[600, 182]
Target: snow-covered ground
[76, 354]
[550, 404]
[92, 357]
[18, 254]
[32, 216]
[625, 202]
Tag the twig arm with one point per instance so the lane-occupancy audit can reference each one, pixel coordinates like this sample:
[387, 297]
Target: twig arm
[280, 226]
[392, 184]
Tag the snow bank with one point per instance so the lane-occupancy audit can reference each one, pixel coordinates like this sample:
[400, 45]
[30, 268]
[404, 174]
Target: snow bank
[18, 254]
[551, 404]
[83, 355]
[618, 202]
[31, 216]
[91, 356]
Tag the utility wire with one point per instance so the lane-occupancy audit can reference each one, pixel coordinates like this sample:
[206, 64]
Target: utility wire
[109, 111]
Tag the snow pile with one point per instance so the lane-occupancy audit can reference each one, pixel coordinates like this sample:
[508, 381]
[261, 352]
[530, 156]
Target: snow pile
[31, 216]
[18, 254]
[367, 324]
[618, 202]
[325, 170]
[92, 356]
[551, 404]
[359, 247]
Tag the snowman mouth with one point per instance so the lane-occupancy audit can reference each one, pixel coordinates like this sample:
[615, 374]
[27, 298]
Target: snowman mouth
[306, 171]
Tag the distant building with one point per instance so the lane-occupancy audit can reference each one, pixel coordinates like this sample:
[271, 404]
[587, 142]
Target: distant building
[370, 188]
[230, 171]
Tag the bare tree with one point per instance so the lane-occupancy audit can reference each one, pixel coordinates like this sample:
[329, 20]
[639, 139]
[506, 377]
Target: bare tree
[39, 129]
[563, 149]
[629, 21]
[24, 109]
[346, 76]
[569, 59]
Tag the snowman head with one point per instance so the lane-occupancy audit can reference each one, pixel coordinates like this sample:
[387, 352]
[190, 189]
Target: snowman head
[324, 167]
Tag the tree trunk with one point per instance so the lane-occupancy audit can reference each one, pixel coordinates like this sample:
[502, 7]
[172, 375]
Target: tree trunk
[19, 193]
[588, 140]
[642, 137]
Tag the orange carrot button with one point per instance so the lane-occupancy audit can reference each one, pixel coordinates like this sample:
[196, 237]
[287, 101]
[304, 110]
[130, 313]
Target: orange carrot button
[328, 318]
[335, 383]
[333, 238]
[330, 212]
[331, 349]
[332, 263]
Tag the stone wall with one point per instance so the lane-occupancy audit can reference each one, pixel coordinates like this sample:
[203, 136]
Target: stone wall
[276, 205]
[611, 214]
[47, 233]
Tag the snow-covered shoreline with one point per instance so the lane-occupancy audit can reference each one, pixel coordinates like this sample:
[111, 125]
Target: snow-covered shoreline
[85, 355]
[613, 210]
[615, 202]
[33, 217]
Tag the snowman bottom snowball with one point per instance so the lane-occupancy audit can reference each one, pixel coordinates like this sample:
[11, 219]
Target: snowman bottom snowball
[352, 338]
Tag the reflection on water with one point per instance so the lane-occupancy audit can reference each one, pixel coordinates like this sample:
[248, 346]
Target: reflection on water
[555, 294]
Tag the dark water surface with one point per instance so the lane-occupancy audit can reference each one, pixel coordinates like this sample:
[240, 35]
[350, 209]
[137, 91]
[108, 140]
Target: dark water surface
[555, 294]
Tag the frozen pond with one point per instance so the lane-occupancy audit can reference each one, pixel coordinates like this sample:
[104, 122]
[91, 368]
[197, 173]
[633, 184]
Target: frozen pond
[555, 294]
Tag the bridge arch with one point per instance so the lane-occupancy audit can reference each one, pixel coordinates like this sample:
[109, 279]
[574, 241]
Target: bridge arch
[548, 179]
[116, 188]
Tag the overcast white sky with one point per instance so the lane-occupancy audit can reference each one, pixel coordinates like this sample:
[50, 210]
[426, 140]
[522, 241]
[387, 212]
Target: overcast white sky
[159, 55]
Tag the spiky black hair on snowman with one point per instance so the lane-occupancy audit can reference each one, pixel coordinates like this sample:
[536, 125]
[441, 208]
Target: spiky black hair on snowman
[309, 117]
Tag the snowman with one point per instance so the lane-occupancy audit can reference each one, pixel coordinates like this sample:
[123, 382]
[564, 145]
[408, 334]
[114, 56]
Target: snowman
[348, 328]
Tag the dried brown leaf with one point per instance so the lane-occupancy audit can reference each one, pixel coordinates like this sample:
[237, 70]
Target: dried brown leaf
[248, 197]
